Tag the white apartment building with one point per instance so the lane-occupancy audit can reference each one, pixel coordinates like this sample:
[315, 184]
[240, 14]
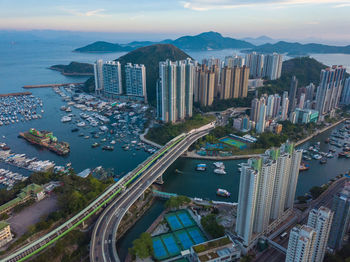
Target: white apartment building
[301, 244]
[321, 221]
[135, 80]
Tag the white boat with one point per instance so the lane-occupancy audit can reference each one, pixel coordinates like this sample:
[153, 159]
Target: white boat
[317, 157]
[222, 192]
[219, 165]
[113, 142]
[81, 124]
[65, 119]
[220, 171]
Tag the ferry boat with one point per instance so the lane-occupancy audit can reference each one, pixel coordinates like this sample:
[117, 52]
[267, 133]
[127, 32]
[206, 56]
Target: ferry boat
[304, 167]
[201, 167]
[220, 171]
[223, 192]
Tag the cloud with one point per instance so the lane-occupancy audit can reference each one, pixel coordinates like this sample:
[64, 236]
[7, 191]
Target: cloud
[206, 5]
[342, 5]
[89, 13]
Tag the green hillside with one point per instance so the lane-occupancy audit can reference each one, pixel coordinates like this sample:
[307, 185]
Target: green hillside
[74, 68]
[306, 69]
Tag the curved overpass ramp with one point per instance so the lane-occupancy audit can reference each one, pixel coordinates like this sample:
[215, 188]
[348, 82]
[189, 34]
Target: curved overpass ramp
[103, 240]
[125, 190]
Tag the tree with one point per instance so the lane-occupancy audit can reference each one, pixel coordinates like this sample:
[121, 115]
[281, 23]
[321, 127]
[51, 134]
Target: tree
[143, 246]
[211, 226]
[177, 202]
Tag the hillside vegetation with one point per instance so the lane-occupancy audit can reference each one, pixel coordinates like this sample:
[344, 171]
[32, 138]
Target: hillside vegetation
[306, 69]
[150, 56]
[74, 68]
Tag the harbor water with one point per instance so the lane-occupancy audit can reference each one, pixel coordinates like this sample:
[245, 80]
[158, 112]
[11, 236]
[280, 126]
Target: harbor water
[27, 64]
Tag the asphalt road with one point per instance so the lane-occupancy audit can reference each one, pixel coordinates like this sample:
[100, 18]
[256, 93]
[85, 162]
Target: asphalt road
[103, 239]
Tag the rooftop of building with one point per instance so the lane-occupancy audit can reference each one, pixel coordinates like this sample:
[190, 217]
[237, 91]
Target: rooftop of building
[212, 244]
[3, 224]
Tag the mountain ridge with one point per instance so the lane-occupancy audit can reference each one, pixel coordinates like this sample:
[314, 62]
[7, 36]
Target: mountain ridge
[215, 41]
[203, 41]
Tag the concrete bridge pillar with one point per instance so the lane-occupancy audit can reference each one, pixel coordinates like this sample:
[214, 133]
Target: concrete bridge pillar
[160, 180]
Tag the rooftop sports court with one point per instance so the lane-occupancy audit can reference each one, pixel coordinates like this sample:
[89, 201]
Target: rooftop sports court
[233, 142]
[183, 234]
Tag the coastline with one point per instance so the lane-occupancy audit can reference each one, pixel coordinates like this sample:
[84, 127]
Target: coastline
[69, 74]
[193, 155]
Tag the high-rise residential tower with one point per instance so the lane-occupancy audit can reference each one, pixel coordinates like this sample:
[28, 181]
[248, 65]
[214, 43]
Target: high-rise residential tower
[254, 113]
[205, 86]
[112, 79]
[175, 90]
[256, 64]
[345, 97]
[260, 125]
[341, 219]
[98, 73]
[292, 94]
[264, 190]
[232, 61]
[135, 80]
[285, 106]
[301, 244]
[320, 220]
[330, 88]
[272, 66]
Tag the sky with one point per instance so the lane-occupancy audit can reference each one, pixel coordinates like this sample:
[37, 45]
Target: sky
[327, 20]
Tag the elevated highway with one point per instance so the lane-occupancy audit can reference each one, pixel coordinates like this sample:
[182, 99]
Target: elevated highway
[120, 196]
[103, 245]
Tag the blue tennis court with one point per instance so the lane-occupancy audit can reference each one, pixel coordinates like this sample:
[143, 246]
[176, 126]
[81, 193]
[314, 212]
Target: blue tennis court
[159, 249]
[173, 222]
[185, 219]
[184, 239]
[171, 245]
[196, 235]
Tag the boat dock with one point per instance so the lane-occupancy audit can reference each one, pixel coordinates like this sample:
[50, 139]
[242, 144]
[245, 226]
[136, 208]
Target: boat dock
[16, 94]
[51, 85]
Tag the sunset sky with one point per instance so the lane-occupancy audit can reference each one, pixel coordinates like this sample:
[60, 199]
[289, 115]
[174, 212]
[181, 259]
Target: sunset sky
[294, 19]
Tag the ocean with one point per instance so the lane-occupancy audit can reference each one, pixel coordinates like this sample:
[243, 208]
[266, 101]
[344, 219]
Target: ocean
[26, 63]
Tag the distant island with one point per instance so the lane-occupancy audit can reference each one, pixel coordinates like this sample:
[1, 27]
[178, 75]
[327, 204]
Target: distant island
[215, 41]
[296, 49]
[204, 41]
[74, 69]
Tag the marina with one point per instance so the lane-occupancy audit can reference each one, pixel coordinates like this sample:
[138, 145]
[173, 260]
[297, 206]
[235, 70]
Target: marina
[111, 122]
[19, 107]
[8, 178]
[20, 160]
